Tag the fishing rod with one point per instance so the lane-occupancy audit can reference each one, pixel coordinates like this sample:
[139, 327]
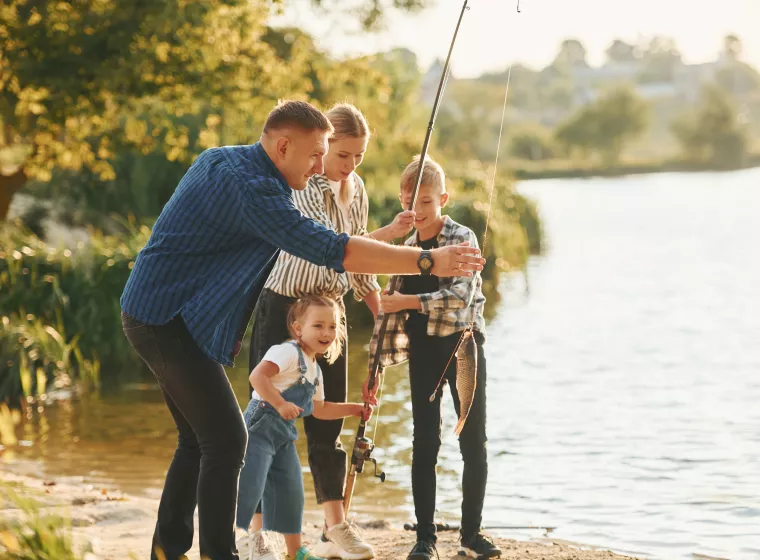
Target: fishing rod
[363, 446]
[444, 527]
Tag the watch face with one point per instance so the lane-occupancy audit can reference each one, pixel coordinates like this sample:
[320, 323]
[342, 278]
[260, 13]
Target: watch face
[426, 263]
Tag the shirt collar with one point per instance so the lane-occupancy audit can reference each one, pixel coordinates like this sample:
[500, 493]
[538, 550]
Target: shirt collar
[261, 154]
[445, 233]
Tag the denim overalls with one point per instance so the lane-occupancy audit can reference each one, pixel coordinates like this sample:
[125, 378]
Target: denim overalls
[272, 469]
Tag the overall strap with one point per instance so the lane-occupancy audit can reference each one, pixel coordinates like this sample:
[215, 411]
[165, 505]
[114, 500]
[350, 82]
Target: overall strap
[301, 362]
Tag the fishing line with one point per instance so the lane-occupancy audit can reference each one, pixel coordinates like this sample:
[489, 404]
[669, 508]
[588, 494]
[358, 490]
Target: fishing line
[469, 328]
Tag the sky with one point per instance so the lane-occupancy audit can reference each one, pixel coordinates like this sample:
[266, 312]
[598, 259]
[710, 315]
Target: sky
[493, 34]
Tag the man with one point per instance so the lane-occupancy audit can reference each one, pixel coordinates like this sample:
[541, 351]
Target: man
[189, 298]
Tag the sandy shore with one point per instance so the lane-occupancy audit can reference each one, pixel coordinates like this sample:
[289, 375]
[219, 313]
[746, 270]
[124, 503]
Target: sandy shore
[119, 526]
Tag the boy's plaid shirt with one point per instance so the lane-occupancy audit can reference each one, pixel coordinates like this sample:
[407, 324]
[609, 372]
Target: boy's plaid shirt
[449, 310]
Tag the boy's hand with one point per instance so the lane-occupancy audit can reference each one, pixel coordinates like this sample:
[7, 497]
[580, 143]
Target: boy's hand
[391, 303]
[456, 260]
[402, 223]
[289, 411]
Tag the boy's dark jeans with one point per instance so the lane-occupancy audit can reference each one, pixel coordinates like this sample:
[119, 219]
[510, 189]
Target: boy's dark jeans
[327, 458]
[210, 446]
[427, 360]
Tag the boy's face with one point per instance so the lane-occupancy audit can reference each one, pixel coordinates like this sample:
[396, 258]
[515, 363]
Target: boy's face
[428, 206]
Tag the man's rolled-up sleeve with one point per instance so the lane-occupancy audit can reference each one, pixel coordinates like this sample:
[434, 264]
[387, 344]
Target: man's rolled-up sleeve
[271, 215]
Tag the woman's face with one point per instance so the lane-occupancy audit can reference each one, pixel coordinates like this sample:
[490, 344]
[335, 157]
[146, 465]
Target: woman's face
[345, 155]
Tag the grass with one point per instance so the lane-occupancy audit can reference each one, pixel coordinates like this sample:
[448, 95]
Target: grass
[34, 534]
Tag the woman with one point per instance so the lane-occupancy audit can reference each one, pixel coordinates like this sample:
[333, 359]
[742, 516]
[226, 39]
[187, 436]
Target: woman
[338, 200]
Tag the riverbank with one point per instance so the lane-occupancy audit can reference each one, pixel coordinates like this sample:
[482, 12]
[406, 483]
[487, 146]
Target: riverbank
[119, 526]
[565, 169]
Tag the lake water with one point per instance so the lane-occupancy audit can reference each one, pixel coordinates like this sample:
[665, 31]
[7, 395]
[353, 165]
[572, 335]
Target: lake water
[623, 392]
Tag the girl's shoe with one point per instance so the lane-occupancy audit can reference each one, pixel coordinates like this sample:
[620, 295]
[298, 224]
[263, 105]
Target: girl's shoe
[304, 554]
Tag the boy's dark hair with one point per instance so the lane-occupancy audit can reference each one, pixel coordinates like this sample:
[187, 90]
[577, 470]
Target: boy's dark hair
[297, 114]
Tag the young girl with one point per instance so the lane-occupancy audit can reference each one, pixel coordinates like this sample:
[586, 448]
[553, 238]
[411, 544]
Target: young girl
[288, 384]
[338, 200]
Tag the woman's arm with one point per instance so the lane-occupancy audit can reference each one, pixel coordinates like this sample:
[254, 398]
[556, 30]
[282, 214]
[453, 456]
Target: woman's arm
[372, 300]
[400, 226]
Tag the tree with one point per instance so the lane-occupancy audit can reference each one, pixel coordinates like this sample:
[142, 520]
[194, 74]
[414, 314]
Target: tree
[571, 54]
[371, 13]
[82, 80]
[712, 131]
[660, 59]
[620, 51]
[606, 126]
[532, 142]
[732, 47]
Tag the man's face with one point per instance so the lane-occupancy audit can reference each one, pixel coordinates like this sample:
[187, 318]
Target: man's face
[300, 155]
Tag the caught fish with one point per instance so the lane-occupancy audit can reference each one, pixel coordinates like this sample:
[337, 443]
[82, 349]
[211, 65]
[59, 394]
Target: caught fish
[467, 375]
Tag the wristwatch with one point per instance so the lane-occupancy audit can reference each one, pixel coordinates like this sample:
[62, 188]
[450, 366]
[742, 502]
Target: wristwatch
[425, 262]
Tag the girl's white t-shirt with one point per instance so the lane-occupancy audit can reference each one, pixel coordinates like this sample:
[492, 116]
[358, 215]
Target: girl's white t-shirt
[285, 356]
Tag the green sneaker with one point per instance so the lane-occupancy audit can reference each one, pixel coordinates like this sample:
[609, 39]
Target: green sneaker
[304, 554]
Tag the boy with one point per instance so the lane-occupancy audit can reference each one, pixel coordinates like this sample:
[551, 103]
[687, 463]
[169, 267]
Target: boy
[426, 320]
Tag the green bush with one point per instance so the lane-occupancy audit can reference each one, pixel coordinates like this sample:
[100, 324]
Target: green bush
[78, 289]
[36, 357]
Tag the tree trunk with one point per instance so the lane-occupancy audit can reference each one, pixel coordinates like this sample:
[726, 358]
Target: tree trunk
[9, 185]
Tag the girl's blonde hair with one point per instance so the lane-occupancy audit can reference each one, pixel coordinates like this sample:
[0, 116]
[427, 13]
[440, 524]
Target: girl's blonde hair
[298, 310]
[347, 121]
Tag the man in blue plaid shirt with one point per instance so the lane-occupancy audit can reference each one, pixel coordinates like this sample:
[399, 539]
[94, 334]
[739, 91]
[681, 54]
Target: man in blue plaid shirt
[191, 292]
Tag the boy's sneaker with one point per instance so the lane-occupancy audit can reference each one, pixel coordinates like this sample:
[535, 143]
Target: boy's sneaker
[344, 542]
[479, 546]
[304, 554]
[423, 550]
[259, 547]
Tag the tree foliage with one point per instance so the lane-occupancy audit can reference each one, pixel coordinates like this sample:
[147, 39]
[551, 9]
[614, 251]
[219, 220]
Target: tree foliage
[605, 126]
[712, 130]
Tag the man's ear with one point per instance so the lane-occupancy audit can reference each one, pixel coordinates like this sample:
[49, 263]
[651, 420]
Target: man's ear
[283, 145]
[444, 199]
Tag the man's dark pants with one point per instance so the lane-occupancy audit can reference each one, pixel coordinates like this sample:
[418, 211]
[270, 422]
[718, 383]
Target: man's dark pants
[210, 445]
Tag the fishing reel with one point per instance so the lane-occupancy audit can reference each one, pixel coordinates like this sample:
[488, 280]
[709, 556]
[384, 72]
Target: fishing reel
[363, 452]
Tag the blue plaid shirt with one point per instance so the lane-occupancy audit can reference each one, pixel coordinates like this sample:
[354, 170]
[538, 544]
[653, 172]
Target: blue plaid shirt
[214, 244]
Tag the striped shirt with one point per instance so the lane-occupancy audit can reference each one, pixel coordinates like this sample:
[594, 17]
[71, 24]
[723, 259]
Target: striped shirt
[210, 249]
[449, 310]
[295, 277]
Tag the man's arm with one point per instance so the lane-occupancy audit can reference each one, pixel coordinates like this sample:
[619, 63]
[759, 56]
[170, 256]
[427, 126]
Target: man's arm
[272, 216]
[372, 257]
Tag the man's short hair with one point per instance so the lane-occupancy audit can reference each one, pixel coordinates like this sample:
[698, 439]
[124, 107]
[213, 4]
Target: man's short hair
[432, 174]
[297, 114]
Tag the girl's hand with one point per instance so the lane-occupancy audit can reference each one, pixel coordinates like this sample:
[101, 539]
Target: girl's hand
[364, 411]
[402, 223]
[392, 303]
[289, 411]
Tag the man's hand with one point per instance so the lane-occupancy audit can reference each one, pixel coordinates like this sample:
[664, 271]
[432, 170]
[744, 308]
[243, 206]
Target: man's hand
[289, 411]
[456, 260]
